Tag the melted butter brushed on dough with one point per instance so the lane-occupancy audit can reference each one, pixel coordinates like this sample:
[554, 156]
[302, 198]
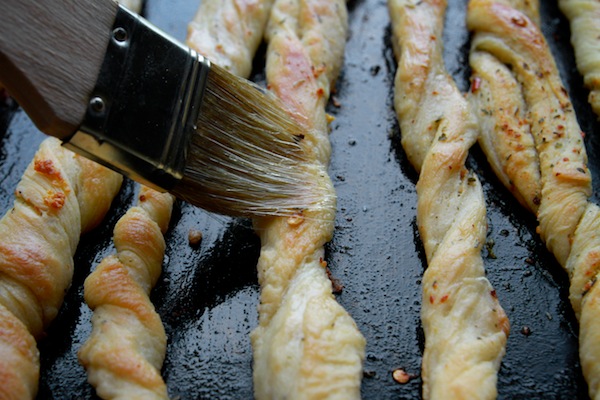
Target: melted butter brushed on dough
[306, 345]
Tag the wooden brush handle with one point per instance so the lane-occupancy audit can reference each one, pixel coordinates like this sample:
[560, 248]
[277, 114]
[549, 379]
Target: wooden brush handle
[50, 56]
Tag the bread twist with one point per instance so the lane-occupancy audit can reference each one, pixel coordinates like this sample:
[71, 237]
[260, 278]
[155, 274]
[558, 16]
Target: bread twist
[228, 32]
[584, 18]
[126, 348]
[59, 196]
[465, 327]
[306, 345]
[568, 222]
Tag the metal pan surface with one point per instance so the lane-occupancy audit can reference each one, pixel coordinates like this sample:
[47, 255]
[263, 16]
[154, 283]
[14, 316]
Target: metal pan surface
[207, 295]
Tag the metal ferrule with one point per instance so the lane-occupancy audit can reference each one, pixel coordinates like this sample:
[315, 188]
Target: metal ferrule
[144, 107]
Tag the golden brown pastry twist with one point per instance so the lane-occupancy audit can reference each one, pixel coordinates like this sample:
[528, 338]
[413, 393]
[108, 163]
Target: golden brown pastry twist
[568, 222]
[465, 327]
[59, 196]
[228, 32]
[306, 345]
[584, 18]
[125, 351]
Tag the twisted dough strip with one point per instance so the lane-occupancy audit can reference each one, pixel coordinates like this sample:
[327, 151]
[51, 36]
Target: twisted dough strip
[125, 351]
[465, 327]
[568, 222]
[584, 17]
[228, 32]
[59, 196]
[306, 345]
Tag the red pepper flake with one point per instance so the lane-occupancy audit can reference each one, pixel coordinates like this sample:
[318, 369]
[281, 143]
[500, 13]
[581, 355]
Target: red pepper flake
[588, 286]
[322, 262]
[476, 84]
[519, 21]
[431, 299]
[336, 285]
[493, 294]
[142, 198]
[320, 92]
[433, 37]
[46, 167]
[55, 200]
[444, 298]
[317, 71]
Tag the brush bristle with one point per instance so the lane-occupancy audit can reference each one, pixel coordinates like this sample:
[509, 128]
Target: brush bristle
[246, 157]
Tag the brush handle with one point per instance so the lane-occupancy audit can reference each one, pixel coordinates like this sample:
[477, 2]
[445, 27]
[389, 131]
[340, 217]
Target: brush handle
[50, 57]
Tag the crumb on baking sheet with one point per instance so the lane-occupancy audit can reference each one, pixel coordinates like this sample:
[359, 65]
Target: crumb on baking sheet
[194, 237]
[401, 376]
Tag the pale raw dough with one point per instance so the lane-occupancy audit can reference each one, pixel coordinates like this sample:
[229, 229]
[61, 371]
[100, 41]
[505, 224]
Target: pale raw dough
[465, 327]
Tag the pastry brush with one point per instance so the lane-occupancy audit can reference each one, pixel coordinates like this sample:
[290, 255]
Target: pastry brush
[117, 90]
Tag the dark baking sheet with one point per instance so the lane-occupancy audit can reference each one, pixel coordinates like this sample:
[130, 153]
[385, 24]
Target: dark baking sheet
[207, 296]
